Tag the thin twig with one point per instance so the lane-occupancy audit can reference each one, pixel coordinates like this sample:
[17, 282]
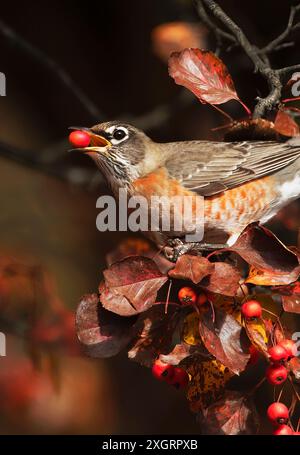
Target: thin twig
[258, 56]
[277, 43]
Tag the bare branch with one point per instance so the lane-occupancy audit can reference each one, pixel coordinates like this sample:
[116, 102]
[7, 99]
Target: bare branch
[259, 57]
[218, 32]
[277, 43]
[288, 69]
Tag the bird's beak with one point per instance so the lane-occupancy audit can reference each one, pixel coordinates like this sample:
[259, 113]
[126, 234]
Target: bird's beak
[98, 143]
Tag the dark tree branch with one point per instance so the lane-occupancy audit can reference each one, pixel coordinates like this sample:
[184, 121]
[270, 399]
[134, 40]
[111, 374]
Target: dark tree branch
[288, 69]
[219, 33]
[259, 57]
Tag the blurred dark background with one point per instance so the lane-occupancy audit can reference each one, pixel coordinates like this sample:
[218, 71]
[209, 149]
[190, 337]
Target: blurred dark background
[113, 53]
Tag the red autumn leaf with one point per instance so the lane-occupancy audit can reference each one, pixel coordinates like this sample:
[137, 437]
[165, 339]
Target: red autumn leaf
[234, 414]
[271, 262]
[291, 298]
[131, 285]
[103, 333]
[204, 74]
[223, 280]
[193, 268]
[153, 333]
[225, 339]
[285, 124]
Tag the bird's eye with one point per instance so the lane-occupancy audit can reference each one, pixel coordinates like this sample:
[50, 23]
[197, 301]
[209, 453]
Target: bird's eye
[119, 134]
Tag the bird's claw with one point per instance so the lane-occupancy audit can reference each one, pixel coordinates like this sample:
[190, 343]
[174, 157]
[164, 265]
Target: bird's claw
[174, 249]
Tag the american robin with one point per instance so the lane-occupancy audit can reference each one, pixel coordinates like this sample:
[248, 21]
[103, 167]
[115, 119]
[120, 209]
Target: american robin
[241, 182]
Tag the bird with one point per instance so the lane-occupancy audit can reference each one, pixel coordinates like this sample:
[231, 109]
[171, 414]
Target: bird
[239, 183]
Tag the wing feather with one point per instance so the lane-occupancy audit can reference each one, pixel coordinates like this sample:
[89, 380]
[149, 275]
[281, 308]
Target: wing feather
[212, 167]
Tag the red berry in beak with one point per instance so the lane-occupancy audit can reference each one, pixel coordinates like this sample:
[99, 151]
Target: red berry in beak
[278, 354]
[162, 371]
[290, 347]
[283, 430]
[278, 413]
[79, 139]
[180, 378]
[251, 309]
[276, 374]
[187, 296]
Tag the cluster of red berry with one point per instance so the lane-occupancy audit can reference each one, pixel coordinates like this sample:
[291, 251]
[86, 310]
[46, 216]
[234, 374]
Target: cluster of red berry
[277, 372]
[171, 375]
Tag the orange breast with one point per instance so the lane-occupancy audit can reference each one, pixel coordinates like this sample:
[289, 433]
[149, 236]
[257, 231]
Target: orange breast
[245, 203]
[241, 205]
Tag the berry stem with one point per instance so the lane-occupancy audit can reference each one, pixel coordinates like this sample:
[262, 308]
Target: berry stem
[276, 317]
[168, 296]
[294, 389]
[222, 112]
[280, 393]
[245, 107]
[289, 100]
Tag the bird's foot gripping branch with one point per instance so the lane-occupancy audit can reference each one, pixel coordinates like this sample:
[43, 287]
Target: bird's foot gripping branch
[200, 323]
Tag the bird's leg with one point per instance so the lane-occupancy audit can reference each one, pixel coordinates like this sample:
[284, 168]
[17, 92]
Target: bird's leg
[176, 248]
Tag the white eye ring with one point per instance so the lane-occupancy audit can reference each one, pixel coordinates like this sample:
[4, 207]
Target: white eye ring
[113, 129]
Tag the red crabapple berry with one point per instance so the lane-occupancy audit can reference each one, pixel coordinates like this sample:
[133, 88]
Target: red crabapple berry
[79, 139]
[278, 354]
[289, 346]
[276, 374]
[202, 299]
[283, 430]
[251, 309]
[180, 378]
[162, 371]
[278, 413]
[187, 296]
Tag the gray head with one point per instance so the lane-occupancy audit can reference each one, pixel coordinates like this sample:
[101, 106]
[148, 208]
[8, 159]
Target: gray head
[119, 150]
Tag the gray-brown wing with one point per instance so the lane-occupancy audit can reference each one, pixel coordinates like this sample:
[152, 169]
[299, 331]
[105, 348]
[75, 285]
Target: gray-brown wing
[212, 167]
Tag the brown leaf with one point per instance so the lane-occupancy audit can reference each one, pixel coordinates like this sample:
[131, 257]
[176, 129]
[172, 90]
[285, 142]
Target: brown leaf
[234, 414]
[207, 384]
[285, 124]
[153, 334]
[225, 339]
[103, 333]
[294, 366]
[131, 285]
[291, 301]
[271, 262]
[139, 247]
[257, 334]
[223, 280]
[181, 352]
[204, 74]
[193, 268]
